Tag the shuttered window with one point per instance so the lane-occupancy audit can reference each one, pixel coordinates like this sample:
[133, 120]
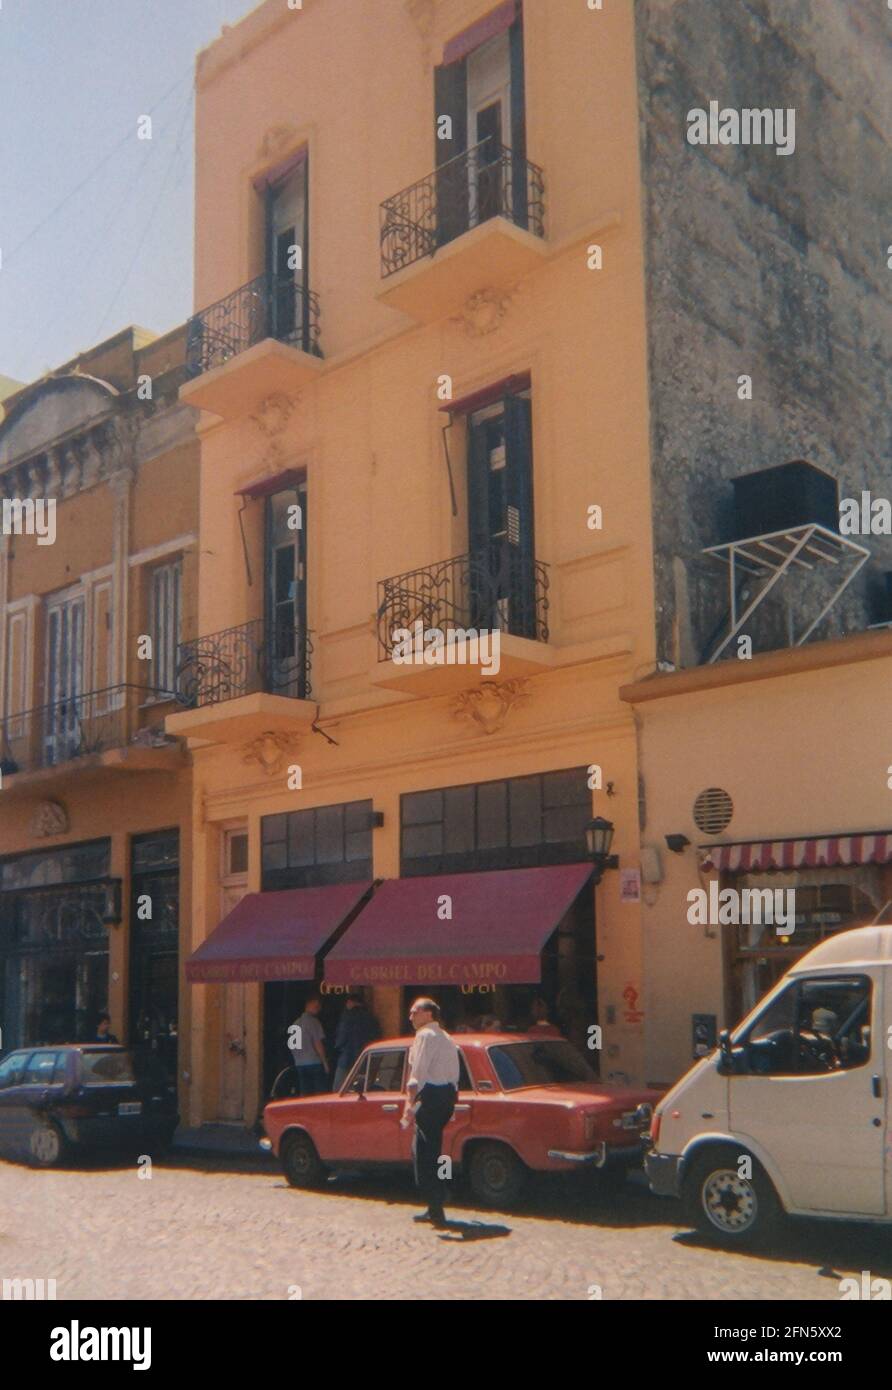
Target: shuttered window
[165, 623]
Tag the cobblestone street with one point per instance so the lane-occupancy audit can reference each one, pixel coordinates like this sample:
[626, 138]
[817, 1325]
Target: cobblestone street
[222, 1229]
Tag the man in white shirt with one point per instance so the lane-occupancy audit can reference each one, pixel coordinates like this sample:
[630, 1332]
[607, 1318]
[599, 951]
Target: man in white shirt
[433, 1083]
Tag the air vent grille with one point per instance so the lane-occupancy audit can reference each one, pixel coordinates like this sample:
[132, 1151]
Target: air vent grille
[713, 810]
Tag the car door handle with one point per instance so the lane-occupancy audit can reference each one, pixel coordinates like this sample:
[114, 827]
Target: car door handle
[390, 1107]
[877, 1086]
[461, 1107]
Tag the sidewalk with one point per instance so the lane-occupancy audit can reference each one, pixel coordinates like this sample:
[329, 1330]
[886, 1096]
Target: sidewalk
[220, 1139]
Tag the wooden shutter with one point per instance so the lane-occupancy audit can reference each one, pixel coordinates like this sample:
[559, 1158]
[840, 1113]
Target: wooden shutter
[451, 99]
[519, 495]
[518, 124]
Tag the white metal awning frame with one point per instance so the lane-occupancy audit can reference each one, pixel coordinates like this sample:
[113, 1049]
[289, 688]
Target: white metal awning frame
[779, 553]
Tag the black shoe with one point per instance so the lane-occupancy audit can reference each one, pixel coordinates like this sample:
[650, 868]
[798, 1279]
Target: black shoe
[424, 1216]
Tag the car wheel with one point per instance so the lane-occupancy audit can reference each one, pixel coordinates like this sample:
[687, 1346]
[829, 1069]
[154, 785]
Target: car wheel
[300, 1162]
[47, 1144]
[497, 1175]
[725, 1205]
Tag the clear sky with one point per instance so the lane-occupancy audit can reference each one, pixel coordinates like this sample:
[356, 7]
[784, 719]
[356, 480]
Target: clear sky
[75, 76]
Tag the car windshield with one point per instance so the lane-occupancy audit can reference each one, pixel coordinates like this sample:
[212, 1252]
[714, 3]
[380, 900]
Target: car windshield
[539, 1064]
[104, 1068]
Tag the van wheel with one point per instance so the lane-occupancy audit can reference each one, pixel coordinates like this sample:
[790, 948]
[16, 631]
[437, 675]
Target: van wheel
[497, 1175]
[720, 1203]
[47, 1144]
[300, 1161]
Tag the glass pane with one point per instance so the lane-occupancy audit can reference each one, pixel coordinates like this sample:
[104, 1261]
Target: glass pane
[459, 828]
[356, 815]
[329, 835]
[274, 857]
[301, 838]
[358, 845]
[492, 815]
[273, 828]
[238, 853]
[420, 841]
[385, 1071]
[40, 1069]
[420, 808]
[567, 788]
[525, 800]
[565, 825]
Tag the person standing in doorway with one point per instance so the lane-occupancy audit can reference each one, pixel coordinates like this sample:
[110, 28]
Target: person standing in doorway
[432, 1090]
[356, 1027]
[104, 1033]
[308, 1050]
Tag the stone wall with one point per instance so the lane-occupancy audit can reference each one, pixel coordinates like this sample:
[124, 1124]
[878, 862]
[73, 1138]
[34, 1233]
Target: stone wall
[769, 266]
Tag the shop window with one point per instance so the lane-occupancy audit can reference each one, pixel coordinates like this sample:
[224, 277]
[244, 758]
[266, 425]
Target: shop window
[511, 823]
[325, 844]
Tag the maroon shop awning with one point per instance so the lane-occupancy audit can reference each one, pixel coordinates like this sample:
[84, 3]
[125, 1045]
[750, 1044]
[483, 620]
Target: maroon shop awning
[274, 936]
[500, 922]
[813, 852]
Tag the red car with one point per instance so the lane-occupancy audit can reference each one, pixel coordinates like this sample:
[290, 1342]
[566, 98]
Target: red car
[525, 1104]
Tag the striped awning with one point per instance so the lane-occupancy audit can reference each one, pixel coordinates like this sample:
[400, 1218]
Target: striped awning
[816, 852]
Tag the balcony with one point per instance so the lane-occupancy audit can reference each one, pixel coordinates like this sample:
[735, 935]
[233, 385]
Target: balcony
[108, 730]
[477, 222]
[498, 595]
[262, 339]
[243, 683]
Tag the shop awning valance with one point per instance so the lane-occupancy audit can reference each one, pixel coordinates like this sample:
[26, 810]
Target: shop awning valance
[274, 936]
[457, 929]
[815, 852]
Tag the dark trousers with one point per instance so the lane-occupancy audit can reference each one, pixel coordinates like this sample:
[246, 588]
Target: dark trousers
[311, 1081]
[436, 1104]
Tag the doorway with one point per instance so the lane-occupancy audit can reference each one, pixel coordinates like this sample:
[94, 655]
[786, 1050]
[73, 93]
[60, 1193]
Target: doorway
[232, 1018]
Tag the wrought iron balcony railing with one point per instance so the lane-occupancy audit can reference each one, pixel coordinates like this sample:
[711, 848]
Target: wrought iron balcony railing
[244, 661]
[486, 181]
[77, 726]
[499, 588]
[264, 308]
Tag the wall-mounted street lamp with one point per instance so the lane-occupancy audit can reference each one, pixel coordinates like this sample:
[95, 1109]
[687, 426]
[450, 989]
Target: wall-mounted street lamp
[598, 839]
[111, 902]
[677, 843]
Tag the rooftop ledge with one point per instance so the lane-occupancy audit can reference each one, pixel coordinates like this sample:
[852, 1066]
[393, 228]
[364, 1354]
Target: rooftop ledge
[790, 661]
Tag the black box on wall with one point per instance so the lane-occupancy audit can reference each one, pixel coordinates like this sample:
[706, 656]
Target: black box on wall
[776, 499]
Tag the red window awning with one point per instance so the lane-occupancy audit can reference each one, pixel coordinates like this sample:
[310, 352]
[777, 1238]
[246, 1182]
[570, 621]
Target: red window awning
[815, 852]
[500, 921]
[274, 936]
[496, 22]
[508, 386]
[269, 483]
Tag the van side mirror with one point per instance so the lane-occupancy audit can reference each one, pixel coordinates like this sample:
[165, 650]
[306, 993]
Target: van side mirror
[726, 1055]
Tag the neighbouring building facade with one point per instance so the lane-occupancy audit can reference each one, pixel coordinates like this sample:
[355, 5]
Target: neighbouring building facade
[419, 352]
[768, 748]
[98, 585]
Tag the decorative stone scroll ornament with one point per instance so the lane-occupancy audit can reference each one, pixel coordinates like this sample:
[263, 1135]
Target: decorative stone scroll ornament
[488, 705]
[483, 312]
[50, 818]
[274, 413]
[271, 750]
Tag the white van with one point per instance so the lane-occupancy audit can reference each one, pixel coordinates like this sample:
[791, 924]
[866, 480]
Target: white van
[790, 1113]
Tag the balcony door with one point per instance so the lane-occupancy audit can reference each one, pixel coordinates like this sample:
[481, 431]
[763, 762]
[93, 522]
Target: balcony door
[286, 592]
[63, 731]
[286, 257]
[482, 94]
[489, 127]
[502, 581]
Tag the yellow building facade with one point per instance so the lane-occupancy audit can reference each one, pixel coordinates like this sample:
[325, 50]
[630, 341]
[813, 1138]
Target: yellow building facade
[419, 353]
[98, 585]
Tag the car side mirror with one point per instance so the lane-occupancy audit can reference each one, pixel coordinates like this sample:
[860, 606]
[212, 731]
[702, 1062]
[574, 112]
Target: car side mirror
[726, 1053]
